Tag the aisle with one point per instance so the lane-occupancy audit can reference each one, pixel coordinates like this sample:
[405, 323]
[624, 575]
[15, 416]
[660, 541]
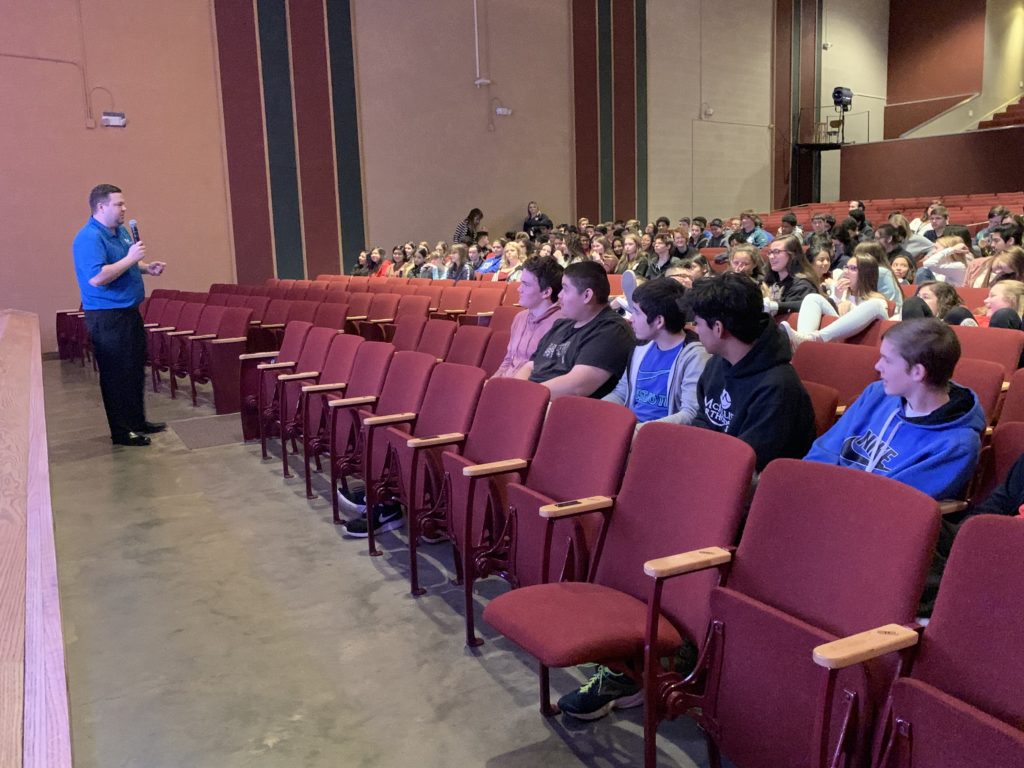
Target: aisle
[214, 617]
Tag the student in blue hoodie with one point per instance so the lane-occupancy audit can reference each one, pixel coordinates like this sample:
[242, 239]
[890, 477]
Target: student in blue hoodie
[915, 425]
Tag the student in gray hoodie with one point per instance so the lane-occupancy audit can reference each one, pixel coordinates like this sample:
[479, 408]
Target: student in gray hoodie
[660, 382]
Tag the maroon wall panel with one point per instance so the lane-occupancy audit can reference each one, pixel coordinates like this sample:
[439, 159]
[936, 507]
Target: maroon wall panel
[624, 99]
[969, 163]
[936, 52]
[584, 58]
[318, 192]
[243, 133]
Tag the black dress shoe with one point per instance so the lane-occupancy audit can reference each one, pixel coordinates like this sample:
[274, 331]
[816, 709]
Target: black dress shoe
[152, 427]
[132, 438]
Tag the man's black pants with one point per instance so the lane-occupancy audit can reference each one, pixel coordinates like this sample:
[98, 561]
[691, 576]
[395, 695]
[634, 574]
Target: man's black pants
[119, 342]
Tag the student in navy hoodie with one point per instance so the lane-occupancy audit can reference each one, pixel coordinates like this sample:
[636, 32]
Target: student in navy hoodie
[915, 425]
[748, 389]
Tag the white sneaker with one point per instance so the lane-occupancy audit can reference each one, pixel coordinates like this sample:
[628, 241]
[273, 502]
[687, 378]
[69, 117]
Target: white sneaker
[349, 506]
[795, 337]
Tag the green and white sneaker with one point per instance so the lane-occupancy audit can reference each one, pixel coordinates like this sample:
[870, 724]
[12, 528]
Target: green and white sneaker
[602, 693]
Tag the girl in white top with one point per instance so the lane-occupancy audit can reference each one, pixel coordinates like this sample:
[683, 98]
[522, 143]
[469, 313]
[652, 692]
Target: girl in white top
[857, 304]
[948, 260]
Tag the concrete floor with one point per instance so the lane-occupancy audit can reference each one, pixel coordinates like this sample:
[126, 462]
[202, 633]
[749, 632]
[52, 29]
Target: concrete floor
[214, 617]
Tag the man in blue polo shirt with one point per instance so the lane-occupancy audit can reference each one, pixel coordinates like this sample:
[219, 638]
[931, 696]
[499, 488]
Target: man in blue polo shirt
[109, 269]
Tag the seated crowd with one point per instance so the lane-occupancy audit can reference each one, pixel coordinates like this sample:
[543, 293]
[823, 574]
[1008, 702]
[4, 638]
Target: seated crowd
[689, 345]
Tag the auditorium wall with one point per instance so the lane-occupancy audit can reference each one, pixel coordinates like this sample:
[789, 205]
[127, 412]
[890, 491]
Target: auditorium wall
[156, 63]
[856, 32]
[432, 145]
[1003, 75]
[709, 99]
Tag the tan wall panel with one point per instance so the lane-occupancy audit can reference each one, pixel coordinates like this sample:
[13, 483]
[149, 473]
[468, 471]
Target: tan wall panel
[427, 151]
[708, 55]
[157, 59]
[738, 154]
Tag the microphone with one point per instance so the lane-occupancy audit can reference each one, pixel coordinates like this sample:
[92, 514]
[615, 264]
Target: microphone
[133, 225]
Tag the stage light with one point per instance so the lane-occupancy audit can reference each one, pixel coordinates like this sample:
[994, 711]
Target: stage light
[842, 98]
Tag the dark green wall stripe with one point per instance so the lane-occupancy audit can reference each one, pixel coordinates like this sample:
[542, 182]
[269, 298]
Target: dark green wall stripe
[641, 110]
[605, 108]
[346, 131]
[277, 106]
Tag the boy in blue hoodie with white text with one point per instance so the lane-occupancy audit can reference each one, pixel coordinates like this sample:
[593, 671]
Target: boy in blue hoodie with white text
[915, 425]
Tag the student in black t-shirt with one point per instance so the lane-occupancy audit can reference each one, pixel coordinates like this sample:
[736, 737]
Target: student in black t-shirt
[586, 353]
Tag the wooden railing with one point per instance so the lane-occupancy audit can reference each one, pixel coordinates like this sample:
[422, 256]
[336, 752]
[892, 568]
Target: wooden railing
[34, 726]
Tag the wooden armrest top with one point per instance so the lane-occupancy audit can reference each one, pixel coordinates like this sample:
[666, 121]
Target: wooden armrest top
[864, 646]
[575, 507]
[949, 506]
[428, 442]
[695, 560]
[297, 376]
[1005, 386]
[348, 402]
[181, 333]
[356, 317]
[455, 311]
[258, 355]
[272, 325]
[202, 337]
[485, 314]
[337, 387]
[383, 320]
[274, 366]
[159, 328]
[232, 340]
[389, 418]
[840, 410]
[495, 467]
[144, 325]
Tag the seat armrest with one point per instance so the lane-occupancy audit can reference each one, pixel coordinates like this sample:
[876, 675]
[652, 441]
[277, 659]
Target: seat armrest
[232, 340]
[258, 355]
[864, 646]
[274, 366]
[576, 507]
[840, 410]
[1005, 387]
[297, 376]
[325, 387]
[390, 418]
[181, 333]
[455, 311]
[951, 506]
[349, 402]
[356, 317]
[382, 320]
[495, 468]
[687, 562]
[272, 325]
[203, 337]
[485, 314]
[429, 442]
[160, 328]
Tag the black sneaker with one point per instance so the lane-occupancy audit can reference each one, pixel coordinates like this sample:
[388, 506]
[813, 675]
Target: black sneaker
[386, 517]
[353, 502]
[601, 694]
